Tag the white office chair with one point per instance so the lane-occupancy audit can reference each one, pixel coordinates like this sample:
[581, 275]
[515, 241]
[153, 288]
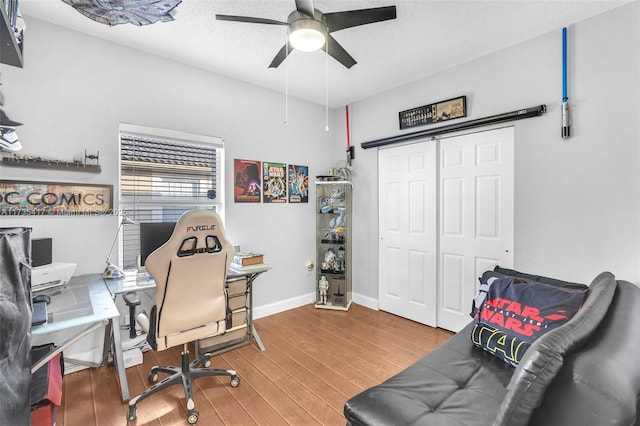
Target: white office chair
[190, 271]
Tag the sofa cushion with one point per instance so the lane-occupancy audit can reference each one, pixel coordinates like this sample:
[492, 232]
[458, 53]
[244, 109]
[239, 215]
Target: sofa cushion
[600, 384]
[545, 356]
[455, 384]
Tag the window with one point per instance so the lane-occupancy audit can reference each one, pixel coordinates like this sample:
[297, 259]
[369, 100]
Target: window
[164, 174]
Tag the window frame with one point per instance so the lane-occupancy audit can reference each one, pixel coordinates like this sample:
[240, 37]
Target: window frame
[125, 202]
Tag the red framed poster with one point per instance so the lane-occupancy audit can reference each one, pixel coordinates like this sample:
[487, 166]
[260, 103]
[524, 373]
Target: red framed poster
[246, 187]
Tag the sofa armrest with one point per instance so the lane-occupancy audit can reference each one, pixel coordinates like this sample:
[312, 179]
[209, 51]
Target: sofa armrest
[545, 357]
[600, 384]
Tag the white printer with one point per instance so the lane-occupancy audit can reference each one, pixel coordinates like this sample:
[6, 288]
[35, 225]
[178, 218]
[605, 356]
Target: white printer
[51, 275]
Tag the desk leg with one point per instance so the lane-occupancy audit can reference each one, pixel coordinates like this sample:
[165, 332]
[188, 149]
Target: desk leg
[254, 333]
[119, 359]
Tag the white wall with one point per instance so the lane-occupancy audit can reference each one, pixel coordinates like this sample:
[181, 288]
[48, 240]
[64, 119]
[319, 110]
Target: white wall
[577, 200]
[73, 92]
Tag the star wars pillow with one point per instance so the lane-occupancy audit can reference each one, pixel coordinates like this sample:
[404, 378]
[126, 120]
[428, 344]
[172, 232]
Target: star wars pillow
[515, 312]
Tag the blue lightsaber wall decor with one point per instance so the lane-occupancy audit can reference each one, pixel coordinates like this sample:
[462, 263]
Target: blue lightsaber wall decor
[566, 117]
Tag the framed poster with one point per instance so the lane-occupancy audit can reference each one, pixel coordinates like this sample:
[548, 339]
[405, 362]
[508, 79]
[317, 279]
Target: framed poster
[32, 198]
[298, 184]
[246, 187]
[433, 113]
[274, 182]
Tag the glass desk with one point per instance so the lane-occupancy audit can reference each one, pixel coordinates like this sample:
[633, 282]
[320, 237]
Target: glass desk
[85, 301]
[139, 281]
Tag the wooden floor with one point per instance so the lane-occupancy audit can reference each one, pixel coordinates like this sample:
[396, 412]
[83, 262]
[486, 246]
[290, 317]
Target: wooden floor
[314, 361]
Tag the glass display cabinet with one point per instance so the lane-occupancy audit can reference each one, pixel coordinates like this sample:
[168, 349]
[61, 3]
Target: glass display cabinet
[333, 243]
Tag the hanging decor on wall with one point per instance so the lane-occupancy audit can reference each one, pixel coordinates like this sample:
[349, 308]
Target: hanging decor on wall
[298, 184]
[137, 12]
[520, 114]
[30, 198]
[566, 116]
[247, 187]
[433, 113]
[264, 182]
[274, 182]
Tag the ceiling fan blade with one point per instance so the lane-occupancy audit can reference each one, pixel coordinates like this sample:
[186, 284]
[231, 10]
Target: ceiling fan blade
[352, 18]
[281, 55]
[249, 20]
[338, 52]
[305, 6]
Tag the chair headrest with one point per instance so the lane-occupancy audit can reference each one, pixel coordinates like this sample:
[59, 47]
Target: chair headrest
[203, 226]
[197, 231]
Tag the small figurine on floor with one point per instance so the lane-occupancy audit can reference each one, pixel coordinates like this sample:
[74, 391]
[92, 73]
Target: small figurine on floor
[323, 286]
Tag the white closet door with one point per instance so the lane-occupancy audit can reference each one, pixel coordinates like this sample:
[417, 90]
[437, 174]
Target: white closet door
[407, 231]
[476, 217]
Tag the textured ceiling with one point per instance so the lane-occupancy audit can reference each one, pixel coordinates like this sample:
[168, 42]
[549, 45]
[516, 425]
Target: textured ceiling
[428, 36]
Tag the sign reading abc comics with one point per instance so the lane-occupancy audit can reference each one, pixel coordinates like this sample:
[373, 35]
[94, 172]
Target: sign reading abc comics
[32, 198]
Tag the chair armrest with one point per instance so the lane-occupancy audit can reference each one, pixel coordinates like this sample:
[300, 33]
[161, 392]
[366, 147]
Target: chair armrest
[143, 321]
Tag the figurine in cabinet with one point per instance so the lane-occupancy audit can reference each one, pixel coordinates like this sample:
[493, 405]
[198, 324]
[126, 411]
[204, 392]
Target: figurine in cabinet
[330, 260]
[340, 220]
[341, 259]
[323, 286]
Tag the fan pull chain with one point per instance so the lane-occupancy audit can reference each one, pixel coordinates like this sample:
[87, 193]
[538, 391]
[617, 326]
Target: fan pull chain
[286, 84]
[326, 86]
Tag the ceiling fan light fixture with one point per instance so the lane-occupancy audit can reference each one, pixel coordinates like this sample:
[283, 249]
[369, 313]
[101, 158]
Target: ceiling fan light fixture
[307, 35]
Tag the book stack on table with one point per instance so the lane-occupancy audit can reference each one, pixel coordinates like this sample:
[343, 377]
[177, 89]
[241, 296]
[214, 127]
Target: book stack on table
[247, 261]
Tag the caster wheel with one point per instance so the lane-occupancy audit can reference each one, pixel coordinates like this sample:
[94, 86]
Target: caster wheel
[153, 377]
[192, 417]
[235, 381]
[207, 363]
[131, 415]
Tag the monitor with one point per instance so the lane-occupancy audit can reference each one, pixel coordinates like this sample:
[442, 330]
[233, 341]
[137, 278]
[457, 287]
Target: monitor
[152, 236]
[41, 252]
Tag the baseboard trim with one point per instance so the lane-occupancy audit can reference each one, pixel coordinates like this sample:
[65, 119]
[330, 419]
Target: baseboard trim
[366, 301]
[309, 298]
[283, 305]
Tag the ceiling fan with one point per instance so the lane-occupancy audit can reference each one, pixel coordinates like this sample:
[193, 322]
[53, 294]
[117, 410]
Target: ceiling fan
[310, 29]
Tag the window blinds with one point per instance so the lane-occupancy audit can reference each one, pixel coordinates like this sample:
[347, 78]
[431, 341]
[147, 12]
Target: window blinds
[162, 178]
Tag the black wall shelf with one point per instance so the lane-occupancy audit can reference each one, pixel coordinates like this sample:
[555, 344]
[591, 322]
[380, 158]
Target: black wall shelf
[10, 51]
[51, 164]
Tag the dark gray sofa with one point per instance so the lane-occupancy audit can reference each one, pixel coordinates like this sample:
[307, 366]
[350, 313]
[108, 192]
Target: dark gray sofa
[586, 372]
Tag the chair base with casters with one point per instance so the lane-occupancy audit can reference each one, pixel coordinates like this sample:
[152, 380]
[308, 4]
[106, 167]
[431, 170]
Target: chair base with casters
[190, 304]
[185, 375]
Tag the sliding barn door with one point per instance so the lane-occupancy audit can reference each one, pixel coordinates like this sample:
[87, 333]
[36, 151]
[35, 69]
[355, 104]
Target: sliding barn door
[476, 217]
[407, 231]
[445, 217]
